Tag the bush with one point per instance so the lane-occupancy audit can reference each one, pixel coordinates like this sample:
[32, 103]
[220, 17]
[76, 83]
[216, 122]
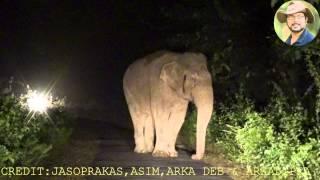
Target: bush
[229, 117]
[277, 140]
[188, 130]
[27, 138]
[283, 140]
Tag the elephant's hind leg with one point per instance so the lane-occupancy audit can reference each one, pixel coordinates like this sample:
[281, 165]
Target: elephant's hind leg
[138, 125]
[149, 133]
[143, 131]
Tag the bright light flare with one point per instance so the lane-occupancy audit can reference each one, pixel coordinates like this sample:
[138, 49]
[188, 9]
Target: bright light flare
[39, 102]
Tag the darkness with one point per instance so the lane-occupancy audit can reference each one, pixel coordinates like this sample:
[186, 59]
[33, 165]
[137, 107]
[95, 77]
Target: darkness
[86, 45]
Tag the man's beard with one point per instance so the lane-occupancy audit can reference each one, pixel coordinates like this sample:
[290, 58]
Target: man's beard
[295, 30]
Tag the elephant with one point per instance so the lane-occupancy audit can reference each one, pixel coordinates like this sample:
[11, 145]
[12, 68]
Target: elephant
[158, 89]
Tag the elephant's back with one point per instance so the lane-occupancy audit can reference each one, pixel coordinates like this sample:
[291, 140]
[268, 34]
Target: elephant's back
[136, 82]
[138, 74]
[139, 69]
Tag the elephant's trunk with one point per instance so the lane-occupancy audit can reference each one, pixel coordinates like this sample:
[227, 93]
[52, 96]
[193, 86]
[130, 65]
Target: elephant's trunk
[203, 99]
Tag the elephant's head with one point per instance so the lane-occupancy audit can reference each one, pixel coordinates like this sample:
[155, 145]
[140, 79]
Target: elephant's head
[189, 77]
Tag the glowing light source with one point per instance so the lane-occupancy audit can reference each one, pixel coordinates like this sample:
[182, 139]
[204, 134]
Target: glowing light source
[38, 102]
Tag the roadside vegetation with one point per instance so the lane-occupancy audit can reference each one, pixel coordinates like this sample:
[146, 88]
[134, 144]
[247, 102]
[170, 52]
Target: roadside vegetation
[267, 104]
[27, 137]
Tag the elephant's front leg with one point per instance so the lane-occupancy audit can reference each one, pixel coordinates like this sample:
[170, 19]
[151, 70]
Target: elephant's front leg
[161, 146]
[175, 123]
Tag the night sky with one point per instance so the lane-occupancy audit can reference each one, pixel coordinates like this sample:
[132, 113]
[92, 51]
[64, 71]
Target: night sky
[87, 45]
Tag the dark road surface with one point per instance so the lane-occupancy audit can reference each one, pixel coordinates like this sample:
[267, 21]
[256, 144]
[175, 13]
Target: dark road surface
[115, 149]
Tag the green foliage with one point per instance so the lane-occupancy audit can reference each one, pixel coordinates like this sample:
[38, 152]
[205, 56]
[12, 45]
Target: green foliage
[273, 121]
[24, 143]
[254, 138]
[188, 131]
[276, 140]
[227, 120]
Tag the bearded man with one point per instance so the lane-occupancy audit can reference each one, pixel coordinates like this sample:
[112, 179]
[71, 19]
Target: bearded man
[296, 17]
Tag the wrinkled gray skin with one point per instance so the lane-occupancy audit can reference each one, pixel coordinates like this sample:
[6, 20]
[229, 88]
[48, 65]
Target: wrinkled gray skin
[158, 89]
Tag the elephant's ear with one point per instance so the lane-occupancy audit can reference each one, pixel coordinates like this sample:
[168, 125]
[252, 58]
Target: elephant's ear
[172, 74]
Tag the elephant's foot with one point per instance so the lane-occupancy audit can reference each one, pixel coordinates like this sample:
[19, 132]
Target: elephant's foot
[173, 153]
[139, 149]
[197, 156]
[149, 148]
[160, 153]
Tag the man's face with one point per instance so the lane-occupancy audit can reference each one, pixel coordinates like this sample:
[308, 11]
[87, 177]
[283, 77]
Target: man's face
[297, 22]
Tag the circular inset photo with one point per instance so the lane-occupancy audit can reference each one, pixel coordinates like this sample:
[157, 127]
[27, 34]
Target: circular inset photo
[296, 23]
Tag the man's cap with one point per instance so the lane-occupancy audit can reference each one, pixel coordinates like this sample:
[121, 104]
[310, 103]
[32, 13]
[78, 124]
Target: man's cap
[295, 7]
